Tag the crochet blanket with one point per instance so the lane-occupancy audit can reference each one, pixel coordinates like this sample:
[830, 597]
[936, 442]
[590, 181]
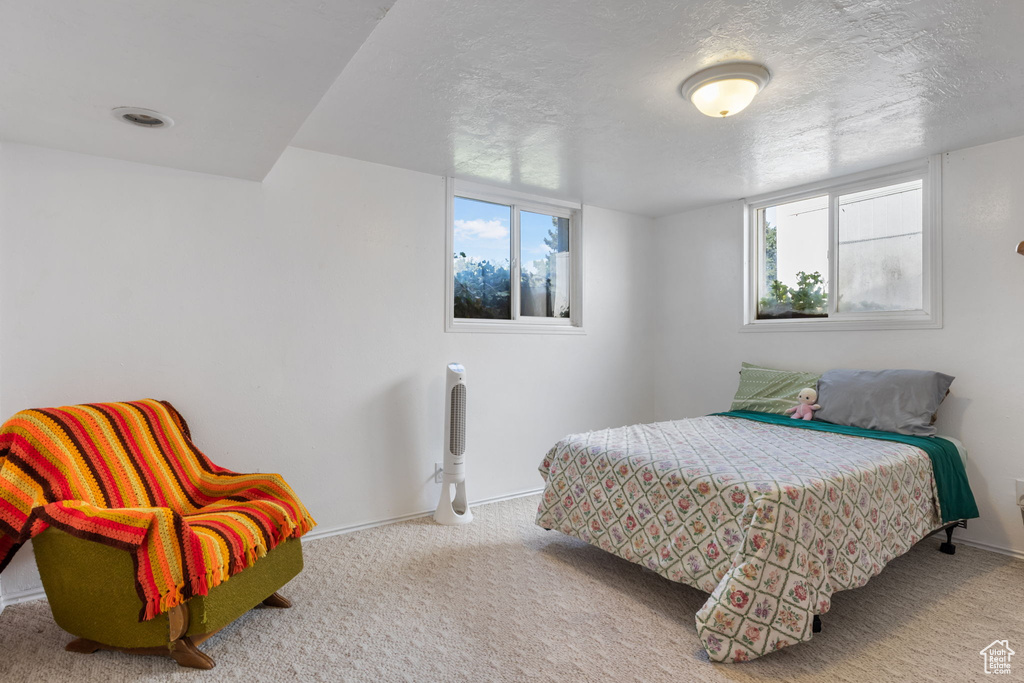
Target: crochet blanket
[128, 475]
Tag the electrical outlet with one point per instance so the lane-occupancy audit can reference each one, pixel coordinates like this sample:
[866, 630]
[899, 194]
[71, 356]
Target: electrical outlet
[439, 475]
[1020, 492]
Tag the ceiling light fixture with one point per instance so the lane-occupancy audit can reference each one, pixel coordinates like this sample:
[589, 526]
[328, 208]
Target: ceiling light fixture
[147, 118]
[725, 89]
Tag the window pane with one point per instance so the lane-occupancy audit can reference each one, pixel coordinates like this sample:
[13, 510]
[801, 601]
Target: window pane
[881, 256]
[483, 248]
[794, 263]
[544, 256]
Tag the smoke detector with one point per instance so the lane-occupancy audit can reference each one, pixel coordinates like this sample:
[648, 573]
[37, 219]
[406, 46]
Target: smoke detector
[147, 118]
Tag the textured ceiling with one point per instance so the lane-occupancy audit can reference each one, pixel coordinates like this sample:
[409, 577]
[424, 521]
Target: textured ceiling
[576, 99]
[579, 98]
[238, 76]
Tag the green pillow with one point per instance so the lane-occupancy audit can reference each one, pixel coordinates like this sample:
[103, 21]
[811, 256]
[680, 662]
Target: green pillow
[766, 390]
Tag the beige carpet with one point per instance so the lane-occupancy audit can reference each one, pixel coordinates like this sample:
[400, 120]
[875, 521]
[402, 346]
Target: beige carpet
[503, 600]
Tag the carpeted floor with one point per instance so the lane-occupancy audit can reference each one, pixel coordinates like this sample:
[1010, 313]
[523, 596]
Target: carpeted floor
[503, 600]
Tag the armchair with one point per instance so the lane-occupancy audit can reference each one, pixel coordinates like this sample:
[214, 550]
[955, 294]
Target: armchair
[143, 544]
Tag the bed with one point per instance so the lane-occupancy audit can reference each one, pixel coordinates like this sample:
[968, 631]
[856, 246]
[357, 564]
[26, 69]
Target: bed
[769, 515]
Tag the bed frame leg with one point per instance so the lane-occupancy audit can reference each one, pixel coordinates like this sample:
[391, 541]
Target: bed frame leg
[948, 546]
[816, 626]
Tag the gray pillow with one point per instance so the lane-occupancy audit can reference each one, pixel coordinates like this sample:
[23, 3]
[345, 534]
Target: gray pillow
[901, 401]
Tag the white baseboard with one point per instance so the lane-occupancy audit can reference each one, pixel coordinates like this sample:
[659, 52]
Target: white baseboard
[320, 532]
[991, 548]
[14, 597]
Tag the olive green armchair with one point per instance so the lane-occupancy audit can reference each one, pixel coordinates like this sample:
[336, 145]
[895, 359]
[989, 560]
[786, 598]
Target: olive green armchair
[91, 590]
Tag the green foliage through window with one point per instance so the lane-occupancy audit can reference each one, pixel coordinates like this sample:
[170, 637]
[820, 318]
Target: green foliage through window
[771, 253]
[482, 288]
[510, 262]
[807, 300]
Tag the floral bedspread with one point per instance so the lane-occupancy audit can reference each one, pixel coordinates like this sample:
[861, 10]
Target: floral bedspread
[769, 519]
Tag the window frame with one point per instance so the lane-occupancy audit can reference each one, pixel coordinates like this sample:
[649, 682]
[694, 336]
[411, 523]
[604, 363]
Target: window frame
[929, 171]
[518, 201]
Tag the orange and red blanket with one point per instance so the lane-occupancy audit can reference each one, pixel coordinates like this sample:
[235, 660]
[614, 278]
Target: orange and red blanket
[128, 475]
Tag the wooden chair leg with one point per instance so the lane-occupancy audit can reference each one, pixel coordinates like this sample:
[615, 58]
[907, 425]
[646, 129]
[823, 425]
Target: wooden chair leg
[186, 654]
[178, 619]
[183, 651]
[277, 600]
[83, 645]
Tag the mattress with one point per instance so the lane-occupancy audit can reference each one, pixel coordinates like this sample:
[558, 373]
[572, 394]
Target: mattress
[768, 519]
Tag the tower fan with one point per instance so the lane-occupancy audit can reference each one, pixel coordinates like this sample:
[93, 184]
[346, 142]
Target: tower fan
[454, 509]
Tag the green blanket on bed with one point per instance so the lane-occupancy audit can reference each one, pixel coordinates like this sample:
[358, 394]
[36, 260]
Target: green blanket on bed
[956, 500]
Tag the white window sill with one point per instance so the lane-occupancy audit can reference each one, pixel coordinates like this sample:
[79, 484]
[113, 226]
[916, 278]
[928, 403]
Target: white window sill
[841, 325]
[507, 327]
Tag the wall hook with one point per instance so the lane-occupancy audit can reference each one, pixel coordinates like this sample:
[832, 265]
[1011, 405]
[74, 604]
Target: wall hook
[1020, 248]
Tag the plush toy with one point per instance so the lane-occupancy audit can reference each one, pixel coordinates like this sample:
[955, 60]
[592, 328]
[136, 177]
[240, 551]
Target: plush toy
[805, 411]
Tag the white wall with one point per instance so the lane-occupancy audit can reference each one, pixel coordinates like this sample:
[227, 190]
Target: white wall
[700, 271]
[298, 324]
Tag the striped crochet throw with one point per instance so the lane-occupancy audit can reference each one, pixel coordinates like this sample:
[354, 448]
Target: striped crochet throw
[128, 475]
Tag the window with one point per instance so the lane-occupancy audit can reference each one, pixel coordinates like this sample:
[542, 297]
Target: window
[513, 262]
[859, 253]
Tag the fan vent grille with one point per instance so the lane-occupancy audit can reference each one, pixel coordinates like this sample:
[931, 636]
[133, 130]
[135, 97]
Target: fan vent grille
[457, 435]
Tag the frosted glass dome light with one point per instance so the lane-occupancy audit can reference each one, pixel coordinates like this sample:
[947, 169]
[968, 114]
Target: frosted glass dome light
[725, 89]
